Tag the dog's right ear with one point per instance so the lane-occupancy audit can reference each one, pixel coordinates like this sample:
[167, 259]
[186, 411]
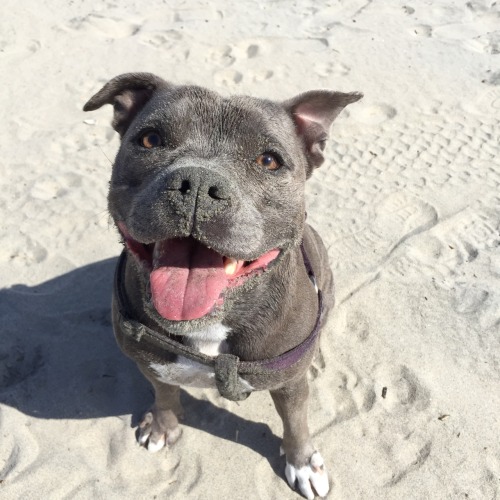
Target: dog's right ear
[128, 93]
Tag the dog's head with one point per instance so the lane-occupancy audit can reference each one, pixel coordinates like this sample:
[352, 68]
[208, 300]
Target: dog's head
[208, 191]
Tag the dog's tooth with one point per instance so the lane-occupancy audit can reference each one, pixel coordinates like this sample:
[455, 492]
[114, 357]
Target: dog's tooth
[156, 253]
[230, 266]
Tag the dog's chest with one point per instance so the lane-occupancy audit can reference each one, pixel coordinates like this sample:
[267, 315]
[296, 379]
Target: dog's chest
[211, 341]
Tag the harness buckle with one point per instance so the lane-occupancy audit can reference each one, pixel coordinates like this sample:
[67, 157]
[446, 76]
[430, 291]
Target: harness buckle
[226, 377]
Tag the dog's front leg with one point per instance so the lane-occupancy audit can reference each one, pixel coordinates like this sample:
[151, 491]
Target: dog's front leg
[304, 464]
[159, 426]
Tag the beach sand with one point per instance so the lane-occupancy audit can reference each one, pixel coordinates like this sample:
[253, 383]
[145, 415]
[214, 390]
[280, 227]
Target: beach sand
[408, 203]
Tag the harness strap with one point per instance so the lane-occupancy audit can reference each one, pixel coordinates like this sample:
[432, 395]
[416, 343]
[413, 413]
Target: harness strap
[227, 367]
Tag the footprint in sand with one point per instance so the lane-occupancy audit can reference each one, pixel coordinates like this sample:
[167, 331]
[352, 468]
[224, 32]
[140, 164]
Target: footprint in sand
[327, 69]
[49, 187]
[449, 254]
[317, 366]
[373, 114]
[161, 40]
[261, 75]
[188, 14]
[397, 423]
[399, 391]
[478, 300]
[228, 78]
[494, 265]
[347, 395]
[487, 103]
[493, 78]
[477, 32]
[19, 448]
[488, 43]
[221, 56]
[246, 57]
[24, 251]
[252, 50]
[18, 364]
[357, 325]
[396, 219]
[403, 456]
[103, 25]
[399, 411]
[422, 30]
[469, 299]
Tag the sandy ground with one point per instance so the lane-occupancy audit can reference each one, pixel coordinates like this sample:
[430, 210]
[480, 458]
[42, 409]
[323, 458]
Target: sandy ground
[408, 204]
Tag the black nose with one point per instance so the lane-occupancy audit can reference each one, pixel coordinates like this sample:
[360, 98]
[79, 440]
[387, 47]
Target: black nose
[198, 188]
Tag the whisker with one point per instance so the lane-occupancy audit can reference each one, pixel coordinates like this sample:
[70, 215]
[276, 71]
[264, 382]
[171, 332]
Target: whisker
[98, 217]
[105, 155]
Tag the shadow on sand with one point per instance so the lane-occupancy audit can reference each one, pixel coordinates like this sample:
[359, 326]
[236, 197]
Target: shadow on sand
[59, 360]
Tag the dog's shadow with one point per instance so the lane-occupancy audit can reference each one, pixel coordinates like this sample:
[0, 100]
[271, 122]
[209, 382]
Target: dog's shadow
[59, 360]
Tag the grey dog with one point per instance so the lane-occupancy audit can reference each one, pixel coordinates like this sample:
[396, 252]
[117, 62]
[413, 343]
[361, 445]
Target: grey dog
[221, 282]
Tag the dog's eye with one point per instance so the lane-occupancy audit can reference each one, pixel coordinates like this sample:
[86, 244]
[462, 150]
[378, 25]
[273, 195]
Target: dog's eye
[269, 161]
[150, 140]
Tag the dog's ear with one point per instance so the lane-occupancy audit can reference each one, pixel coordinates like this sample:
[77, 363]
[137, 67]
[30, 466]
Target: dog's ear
[128, 93]
[313, 112]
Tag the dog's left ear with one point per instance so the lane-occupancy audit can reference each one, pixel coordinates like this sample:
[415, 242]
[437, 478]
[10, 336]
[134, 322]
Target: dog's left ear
[313, 112]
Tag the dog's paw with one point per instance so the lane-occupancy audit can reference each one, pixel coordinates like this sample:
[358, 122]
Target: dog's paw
[153, 435]
[312, 475]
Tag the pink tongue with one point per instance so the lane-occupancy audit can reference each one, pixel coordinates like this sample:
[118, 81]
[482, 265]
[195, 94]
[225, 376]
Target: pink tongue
[187, 279]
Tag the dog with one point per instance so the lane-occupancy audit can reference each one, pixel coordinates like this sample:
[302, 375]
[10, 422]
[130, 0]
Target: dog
[221, 282]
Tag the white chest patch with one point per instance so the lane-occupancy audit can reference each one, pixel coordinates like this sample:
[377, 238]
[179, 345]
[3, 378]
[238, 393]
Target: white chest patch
[211, 341]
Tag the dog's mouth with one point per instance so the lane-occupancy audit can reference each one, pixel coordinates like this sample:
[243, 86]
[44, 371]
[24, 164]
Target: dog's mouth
[188, 280]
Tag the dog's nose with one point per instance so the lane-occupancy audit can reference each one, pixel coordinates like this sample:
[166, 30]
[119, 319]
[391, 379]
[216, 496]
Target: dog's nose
[196, 188]
[192, 182]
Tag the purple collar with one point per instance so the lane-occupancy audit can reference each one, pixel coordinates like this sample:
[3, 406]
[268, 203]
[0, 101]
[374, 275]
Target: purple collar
[228, 367]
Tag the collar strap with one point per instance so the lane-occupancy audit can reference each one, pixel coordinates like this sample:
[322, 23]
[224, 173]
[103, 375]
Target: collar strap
[227, 367]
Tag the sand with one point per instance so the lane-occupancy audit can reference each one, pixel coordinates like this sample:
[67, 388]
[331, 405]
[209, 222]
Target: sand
[408, 203]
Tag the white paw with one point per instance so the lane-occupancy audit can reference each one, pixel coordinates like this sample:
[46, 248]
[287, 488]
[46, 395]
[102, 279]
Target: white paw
[153, 437]
[152, 446]
[310, 476]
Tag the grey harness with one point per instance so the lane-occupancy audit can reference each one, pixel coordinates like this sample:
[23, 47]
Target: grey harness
[228, 368]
